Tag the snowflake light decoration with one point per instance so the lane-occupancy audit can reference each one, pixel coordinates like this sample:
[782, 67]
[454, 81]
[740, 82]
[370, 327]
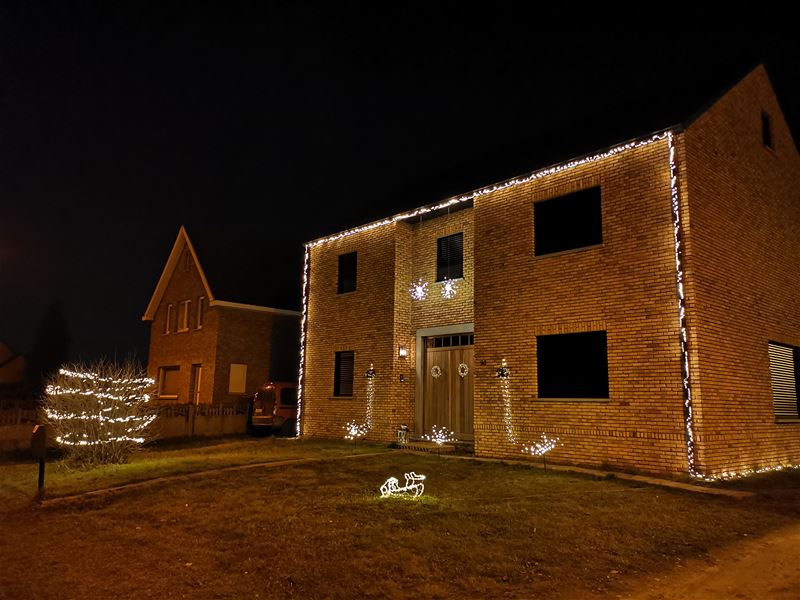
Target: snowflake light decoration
[440, 435]
[449, 289]
[419, 289]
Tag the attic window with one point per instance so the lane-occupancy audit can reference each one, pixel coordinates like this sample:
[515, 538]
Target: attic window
[766, 130]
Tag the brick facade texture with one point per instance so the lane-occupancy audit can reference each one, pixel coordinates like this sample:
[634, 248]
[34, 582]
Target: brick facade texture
[743, 269]
[227, 336]
[741, 221]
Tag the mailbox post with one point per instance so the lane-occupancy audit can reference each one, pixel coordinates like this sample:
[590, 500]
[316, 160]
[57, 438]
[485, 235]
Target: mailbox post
[39, 450]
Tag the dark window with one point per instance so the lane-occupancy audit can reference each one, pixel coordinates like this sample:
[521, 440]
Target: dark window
[783, 363]
[343, 374]
[572, 365]
[450, 257]
[567, 222]
[348, 266]
[766, 130]
[169, 382]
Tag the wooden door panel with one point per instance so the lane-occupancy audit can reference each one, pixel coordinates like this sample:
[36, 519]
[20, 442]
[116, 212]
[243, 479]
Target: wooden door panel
[448, 399]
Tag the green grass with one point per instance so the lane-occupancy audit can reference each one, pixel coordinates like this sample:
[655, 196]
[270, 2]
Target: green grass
[18, 479]
[320, 530]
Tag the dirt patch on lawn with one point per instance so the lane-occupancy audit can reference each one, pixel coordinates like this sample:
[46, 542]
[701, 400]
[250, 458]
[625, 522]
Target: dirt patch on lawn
[751, 569]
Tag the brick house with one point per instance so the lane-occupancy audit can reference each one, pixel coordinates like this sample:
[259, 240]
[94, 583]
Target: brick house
[642, 299]
[212, 337]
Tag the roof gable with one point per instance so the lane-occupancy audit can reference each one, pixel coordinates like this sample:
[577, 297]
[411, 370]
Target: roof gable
[181, 242]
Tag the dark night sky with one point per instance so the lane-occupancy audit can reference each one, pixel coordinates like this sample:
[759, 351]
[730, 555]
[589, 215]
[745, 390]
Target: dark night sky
[287, 121]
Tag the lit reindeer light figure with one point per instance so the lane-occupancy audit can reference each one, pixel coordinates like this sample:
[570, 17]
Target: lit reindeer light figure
[413, 487]
[541, 448]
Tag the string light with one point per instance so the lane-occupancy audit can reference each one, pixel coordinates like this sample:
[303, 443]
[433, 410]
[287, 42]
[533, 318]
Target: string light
[449, 289]
[419, 289]
[88, 409]
[560, 168]
[413, 487]
[355, 430]
[144, 381]
[450, 202]
[301, 369]
[542, 447]
[440, 435]
[370, 394]
[504, 374]
[677, 231]
[728, 475]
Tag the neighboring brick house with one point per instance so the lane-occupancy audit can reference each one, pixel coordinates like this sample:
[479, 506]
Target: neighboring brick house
[643, 298]
[211, 340]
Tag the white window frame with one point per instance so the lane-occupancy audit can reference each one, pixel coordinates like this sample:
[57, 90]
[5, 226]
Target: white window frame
[183, 315]
[201, 306]
[168, 320]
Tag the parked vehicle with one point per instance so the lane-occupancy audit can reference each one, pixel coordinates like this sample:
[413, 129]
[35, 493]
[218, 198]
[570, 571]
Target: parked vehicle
[274, 409]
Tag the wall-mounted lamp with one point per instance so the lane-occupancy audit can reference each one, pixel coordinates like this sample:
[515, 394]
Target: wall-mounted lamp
[402, 352]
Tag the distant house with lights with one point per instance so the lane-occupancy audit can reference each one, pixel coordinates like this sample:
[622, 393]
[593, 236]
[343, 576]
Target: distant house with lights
[639, 301]
[213, 339]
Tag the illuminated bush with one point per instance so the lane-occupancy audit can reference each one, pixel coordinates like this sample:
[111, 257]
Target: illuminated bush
[100, 413]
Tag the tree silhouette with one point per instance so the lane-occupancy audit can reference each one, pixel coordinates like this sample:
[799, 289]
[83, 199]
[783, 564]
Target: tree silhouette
[50, 350]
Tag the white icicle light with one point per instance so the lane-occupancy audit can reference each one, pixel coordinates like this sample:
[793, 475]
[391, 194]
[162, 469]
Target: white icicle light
[413, 487]
[677, 233]
[504, 374]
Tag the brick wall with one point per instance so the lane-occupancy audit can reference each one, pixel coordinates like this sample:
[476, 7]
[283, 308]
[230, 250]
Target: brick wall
[626, 288]
[376, 319]
[227, 336]
[195, 346]
[743, 269]
[244, 338]
[361, 321]
[741, 223]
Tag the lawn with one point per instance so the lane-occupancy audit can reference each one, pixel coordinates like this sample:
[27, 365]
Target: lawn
[18, 478]
[320, 530]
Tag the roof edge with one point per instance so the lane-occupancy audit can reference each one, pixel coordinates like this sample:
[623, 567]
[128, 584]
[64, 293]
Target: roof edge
[169, 269]
[254, 307]
[590, 156]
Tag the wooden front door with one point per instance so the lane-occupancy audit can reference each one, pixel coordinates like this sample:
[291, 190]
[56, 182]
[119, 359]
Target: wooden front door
[447, 393]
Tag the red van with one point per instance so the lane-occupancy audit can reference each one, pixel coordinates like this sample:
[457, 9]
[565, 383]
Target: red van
[274, 409]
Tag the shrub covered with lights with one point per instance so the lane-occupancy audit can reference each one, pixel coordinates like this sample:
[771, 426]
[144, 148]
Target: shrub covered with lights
[100, 413]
